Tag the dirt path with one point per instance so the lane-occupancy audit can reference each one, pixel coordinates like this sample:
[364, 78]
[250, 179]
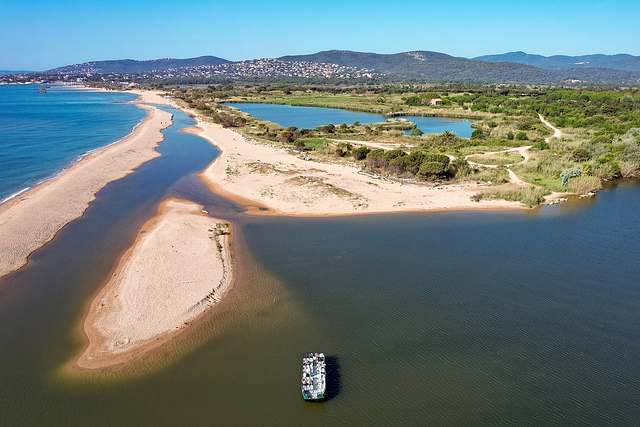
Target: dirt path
[557, 133]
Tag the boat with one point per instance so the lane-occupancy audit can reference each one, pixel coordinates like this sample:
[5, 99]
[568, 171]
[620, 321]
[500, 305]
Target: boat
[314, 376]
[42, 90]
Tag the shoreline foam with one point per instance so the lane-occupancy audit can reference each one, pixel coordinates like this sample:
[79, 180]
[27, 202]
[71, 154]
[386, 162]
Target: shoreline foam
[32, 218]
[74, 162]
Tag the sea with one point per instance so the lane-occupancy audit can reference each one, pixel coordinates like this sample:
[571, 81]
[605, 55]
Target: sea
[43, 134]
[457, 318]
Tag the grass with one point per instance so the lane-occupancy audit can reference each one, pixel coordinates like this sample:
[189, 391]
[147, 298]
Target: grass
[528, 196]
[584, 184]
[504, 158]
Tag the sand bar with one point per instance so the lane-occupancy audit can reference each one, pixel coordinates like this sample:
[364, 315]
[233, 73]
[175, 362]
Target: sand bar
[179, 266]
[33, 218]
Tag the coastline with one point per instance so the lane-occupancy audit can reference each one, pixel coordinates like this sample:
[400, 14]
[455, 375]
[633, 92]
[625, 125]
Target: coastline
[270, 181]
[32, 218]
[179, 267]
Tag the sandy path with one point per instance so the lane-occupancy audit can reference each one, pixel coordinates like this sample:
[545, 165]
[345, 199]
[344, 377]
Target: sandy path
[557, 133]
[174, 272]
[32, 219]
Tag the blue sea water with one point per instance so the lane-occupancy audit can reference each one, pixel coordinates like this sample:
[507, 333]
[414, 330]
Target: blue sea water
[43, 134]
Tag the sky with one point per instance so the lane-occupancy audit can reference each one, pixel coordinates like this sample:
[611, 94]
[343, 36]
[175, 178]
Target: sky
[39, 35]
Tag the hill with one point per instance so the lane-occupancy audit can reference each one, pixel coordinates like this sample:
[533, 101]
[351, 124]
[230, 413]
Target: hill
[623, 62]
[122, 66]
[434, 66]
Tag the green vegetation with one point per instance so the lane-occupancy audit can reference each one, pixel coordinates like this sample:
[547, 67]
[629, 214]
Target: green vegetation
[601, 129]
[504, 158]
[528, 196]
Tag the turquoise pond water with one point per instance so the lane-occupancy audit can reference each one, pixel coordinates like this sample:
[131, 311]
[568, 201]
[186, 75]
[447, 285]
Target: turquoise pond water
[311, 117]
[43, 134]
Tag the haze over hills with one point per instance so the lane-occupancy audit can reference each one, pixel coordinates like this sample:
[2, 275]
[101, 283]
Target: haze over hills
[623, 62]
[412, 66]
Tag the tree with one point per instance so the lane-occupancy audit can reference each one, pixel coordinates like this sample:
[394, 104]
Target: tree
[416, 132]
[477, 134]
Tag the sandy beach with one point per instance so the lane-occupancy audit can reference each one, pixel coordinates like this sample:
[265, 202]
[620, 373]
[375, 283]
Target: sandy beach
[264, 176]
[32, 219]
[179, 266]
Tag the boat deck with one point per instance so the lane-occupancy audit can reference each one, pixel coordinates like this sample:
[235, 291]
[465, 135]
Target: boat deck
[314, 380]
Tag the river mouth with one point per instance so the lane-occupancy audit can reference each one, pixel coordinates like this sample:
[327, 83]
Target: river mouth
[477, 318]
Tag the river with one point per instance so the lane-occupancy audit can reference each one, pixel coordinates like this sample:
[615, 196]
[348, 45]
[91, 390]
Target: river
[522, 318]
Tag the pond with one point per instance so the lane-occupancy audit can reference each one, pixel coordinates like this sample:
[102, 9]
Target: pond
[312, 117]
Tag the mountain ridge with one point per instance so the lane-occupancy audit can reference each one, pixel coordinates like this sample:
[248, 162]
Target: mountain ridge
[419, 65]
[621, 61]
[135, 66]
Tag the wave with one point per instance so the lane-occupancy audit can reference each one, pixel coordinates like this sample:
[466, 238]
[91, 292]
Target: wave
[75, 161]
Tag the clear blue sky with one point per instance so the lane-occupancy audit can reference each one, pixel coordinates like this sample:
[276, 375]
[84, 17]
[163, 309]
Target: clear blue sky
[38, 35]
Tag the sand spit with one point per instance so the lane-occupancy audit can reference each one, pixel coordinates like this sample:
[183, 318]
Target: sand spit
[264, 176]
[179, 266]
[32, 219]
[286, 184]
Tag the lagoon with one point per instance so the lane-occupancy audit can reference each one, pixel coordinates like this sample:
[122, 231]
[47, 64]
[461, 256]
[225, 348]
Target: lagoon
[521, 318]
[312, 117]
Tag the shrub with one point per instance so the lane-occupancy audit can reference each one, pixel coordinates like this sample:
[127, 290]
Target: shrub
[570, 173]
[584, 184]
[604, 171]
[541, 145]
[361, 153]
[477, 134]
[476, 197]
[394, 154]
[510, 136]
[528, 196]
[580, 154]
[522, 136]
[416, 132]
[629, 170]
[431, 169]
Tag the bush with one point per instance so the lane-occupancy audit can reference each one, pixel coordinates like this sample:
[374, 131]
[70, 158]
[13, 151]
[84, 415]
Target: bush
[394, 154]
[361, 153]
[431, 169]
[584, 184]
[541, 145]
[629, 170]
[522, 136]
[528, 196]
[570, 173]
[510, 136]
[580, 154]
[416, 132]
[604, 171]
[477, 134]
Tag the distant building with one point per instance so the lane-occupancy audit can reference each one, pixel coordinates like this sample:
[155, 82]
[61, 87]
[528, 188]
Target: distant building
[436, 101]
